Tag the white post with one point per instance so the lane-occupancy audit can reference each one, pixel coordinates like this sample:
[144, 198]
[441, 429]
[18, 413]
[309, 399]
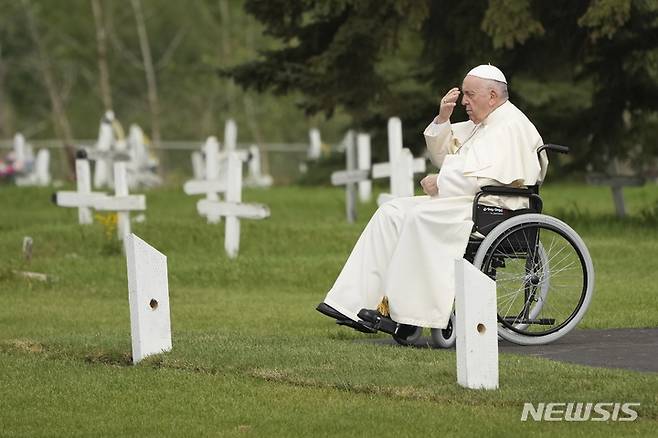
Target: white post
[19, 152]
[394, 129]
[148, 295]
[212, 172]
[350, 188]
[197, 165]
[476, 327]
[233, 194]
[120, 190]
[230, 136]
[83, 183]
[105, 138]
[364, 163]
[42, 167]
[315, 147]
[402, 174]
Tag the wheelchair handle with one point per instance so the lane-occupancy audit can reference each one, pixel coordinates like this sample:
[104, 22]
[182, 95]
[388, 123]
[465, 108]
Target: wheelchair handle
[553, 148]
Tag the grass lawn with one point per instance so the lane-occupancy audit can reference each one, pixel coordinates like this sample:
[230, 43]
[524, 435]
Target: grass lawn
[252, 357]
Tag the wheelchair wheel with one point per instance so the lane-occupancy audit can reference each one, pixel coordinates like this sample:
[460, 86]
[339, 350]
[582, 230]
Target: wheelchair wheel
[445, 338]
[544, 277]
[409, 340]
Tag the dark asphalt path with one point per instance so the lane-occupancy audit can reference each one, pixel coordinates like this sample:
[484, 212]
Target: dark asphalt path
[632, 349]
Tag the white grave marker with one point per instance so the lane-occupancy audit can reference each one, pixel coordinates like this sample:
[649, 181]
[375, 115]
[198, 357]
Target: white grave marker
[233, 209]
[148, 294]
[20, 155]
[349, 177]
[212, 184]
[198, 166]
[476, 327]
[103, 145]
[83, 198]
[400, 167]
[315, 146]
[255, 177]
[364, 162]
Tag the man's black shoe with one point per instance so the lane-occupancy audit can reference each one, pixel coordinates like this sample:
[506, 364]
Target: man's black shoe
[341, 319]
[326, 309]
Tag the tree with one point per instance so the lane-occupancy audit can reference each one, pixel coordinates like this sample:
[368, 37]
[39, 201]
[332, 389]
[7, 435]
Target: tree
[586, 73]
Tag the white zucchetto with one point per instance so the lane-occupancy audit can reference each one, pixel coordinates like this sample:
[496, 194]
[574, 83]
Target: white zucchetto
[488, 71]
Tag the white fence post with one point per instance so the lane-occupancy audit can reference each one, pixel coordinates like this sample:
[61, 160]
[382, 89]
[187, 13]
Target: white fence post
[148, 296]
[476, 327]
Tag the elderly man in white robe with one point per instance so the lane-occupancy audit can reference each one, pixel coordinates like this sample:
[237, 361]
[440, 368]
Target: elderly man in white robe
[402, 264]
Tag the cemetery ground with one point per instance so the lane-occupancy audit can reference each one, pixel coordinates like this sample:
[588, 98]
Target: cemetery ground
[250, 354]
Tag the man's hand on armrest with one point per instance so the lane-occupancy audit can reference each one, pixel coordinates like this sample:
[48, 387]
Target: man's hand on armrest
[429, 184]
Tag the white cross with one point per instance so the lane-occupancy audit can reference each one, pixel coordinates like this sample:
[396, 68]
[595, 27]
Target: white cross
[233, 209]
[400, 167]
[122, 202]
[349, 177]
[212, 185]
[83, 198]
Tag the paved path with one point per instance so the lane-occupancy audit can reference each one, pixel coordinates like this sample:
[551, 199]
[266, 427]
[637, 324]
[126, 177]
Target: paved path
[632, 349]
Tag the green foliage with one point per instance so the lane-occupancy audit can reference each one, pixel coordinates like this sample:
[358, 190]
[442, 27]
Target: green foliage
[510, 22]
[577, 68]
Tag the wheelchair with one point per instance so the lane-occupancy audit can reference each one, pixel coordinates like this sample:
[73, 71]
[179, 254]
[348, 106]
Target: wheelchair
[543, 271]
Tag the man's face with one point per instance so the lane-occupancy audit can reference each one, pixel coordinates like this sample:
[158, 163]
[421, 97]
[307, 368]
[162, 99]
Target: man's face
[477, 98]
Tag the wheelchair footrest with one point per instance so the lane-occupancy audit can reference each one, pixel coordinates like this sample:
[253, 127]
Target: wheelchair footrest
[378, 321]
[537, 321]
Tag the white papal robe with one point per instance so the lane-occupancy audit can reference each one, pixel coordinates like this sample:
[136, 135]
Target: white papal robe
[407, 250]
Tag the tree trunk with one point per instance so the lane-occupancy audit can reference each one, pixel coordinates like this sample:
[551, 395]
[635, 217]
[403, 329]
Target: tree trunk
[60, 119]
[101, 46]
[4, 116]
[225, 26]
[251, 111]
[154, 105]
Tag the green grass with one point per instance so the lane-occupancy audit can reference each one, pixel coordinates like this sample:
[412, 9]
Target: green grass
[251, 356]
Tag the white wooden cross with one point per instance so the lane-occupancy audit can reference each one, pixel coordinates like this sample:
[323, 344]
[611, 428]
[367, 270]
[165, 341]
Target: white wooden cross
[476, 327]
[148, 296]
[364, 162]
[122, 202]
[401, 165]
[83, 198]
[233, 209]
[213, 184]
[350, 177]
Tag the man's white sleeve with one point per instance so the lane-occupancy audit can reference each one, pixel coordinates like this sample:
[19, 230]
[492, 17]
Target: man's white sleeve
[439, 141]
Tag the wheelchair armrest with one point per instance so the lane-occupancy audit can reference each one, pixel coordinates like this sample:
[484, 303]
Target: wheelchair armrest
[505, 191]
[527, 192]
[553, 148]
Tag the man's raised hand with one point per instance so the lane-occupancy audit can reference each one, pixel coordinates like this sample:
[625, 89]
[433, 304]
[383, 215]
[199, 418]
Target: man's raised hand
[447, 105]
